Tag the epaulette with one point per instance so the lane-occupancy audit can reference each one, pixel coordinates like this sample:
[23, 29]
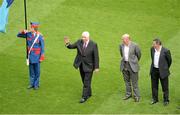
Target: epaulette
[39, 33]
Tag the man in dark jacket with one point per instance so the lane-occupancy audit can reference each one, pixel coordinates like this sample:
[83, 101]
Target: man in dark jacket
[87, 61]
[161, 62]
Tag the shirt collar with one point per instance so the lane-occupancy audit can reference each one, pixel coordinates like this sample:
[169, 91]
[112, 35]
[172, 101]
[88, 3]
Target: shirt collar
[128, 44]
[87, 42]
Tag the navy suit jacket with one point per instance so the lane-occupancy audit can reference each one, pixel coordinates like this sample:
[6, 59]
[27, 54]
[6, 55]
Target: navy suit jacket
[88, 58]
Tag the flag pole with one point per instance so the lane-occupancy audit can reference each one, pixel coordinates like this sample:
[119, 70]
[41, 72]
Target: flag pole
[25, 19]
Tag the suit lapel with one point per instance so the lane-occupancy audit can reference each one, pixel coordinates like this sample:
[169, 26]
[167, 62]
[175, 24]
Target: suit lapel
[152, 54]
[122, 48]
[130, 48]
[162, 49]
[80, 46]
[88, 47]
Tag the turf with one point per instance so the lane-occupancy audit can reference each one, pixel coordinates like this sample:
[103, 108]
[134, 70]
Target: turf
[106, 20]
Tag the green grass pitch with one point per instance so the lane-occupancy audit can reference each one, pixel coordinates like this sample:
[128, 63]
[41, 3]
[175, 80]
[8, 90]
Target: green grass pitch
[106, 20]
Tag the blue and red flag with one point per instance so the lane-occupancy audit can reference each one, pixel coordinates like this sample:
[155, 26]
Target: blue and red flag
[4, 10]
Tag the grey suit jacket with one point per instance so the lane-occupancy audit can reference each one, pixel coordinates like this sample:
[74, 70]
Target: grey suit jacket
[134, 56]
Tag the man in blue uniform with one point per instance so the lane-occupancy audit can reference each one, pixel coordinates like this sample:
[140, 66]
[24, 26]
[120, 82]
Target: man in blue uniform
[35, 44]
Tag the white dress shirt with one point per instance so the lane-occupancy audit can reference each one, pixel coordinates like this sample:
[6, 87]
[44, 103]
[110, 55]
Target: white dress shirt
[126, 53]
[156, 57]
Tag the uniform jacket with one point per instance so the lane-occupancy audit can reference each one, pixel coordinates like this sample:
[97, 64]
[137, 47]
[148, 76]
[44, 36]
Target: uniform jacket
[37, 53]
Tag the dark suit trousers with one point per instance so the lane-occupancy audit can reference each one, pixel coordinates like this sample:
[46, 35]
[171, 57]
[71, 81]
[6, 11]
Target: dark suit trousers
[86, 80]
[155, 76]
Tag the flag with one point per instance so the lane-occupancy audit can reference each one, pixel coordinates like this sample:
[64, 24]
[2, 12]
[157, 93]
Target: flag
[4, 9]
[9, 2]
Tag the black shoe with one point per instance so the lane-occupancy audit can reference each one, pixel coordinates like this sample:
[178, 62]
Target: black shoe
[89, 96]
[137, 99]
[154, 102]
[166, 103]
[82, 100]
[36, 88]
[29, 87]
[127, 97]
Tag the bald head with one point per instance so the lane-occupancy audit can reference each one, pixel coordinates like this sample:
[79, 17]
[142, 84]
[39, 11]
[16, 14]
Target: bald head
[126, 39]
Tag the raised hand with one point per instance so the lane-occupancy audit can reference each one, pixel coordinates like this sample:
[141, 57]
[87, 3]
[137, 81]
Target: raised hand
[66, 39]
